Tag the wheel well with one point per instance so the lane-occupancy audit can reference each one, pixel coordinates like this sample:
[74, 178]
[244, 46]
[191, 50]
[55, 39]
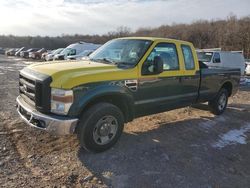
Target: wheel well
[121, 102]
[228, 86]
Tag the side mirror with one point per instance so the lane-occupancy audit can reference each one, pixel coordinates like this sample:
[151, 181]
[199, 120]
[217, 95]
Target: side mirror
[216, 60]
[153, 67]
[158, 65]
[89, 53]
[202, 65]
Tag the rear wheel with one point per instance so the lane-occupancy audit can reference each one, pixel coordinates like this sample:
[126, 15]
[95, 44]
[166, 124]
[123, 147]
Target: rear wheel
[100, 127]
[219, 103]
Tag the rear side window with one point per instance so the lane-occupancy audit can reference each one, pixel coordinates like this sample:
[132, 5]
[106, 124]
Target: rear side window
[216, 58]
[188, 57]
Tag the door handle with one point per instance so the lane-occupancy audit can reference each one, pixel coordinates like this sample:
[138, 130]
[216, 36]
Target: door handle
[221, 74]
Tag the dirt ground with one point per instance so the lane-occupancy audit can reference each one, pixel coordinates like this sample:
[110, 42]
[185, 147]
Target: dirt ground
[187, 147]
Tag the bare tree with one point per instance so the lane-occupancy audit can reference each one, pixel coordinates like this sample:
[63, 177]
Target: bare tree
[230, 34]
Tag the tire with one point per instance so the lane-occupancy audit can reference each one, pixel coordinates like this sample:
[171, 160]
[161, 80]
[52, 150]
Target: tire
[100, 127]
[219, 104]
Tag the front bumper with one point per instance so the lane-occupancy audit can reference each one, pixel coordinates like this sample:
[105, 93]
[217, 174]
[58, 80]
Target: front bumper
[60, 57]
[57, 125]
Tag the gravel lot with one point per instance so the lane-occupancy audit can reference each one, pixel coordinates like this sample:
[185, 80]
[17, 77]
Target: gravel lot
[188, 147]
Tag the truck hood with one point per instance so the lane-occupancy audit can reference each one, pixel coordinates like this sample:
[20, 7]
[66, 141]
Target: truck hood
[69, 74]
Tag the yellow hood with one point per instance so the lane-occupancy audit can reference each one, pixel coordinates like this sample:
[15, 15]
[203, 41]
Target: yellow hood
[69, 74]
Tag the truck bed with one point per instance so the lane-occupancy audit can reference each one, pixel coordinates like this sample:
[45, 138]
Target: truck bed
[212, 79]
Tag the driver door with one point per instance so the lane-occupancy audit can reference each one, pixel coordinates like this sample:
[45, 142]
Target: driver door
[164, 91]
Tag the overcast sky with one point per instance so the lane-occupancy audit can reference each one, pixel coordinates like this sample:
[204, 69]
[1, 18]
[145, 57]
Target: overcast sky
[56, 17]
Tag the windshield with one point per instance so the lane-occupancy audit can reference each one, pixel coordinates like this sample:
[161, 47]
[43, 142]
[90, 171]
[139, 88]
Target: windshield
[205, 56]
[57, 51]
[40, 50]
[125, 51]
[85, 53]
[21, 49]
[33, 49]
[68, 51]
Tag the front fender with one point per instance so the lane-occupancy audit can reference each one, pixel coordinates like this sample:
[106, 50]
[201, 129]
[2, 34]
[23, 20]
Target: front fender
[86, 94]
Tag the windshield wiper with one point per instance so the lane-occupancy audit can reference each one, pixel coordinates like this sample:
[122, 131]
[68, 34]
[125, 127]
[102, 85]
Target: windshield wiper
[124, 64]
[104, 60]
[109, 61]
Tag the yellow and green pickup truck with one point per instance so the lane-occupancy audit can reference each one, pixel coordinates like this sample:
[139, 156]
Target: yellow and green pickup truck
[124, 79]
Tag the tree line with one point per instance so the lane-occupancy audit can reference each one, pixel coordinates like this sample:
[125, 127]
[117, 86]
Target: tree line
[230, 34]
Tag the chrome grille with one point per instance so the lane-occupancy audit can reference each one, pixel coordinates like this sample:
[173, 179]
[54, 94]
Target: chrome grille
[27, 88]
[34, 88]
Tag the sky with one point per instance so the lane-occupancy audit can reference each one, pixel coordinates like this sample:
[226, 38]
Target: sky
[57, 17]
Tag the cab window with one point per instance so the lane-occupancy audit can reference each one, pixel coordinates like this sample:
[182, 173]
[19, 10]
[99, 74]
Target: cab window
[216, 58]
[72, 52]
[188, 57]
[168, 54]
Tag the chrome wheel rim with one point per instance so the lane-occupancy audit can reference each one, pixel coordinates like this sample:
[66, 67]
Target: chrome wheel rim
[105, 130]
[222, 101]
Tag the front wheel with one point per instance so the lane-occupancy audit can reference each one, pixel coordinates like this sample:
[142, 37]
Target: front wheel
[219, 103]
[100, 127]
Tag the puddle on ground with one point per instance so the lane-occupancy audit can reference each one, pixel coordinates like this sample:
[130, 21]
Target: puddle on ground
[233, 137]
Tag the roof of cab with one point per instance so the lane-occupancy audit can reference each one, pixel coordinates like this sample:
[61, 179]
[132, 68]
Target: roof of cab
[157, 39]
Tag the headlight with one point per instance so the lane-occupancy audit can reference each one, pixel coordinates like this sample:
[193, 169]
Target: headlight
[61, 100]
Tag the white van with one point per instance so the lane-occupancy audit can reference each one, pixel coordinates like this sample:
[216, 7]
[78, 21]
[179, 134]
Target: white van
[75, 49]
[223, 59]
[81, 55]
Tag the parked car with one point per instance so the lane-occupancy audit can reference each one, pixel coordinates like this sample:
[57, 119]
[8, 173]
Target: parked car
[124, 79]
[25, 54]
[11, 52]
[247, 71]
[2, 51]
[44, 55]
[50, 56]
[223, 59]
[75, 49]
[81, 55]
[37, 54]
[20, 50]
